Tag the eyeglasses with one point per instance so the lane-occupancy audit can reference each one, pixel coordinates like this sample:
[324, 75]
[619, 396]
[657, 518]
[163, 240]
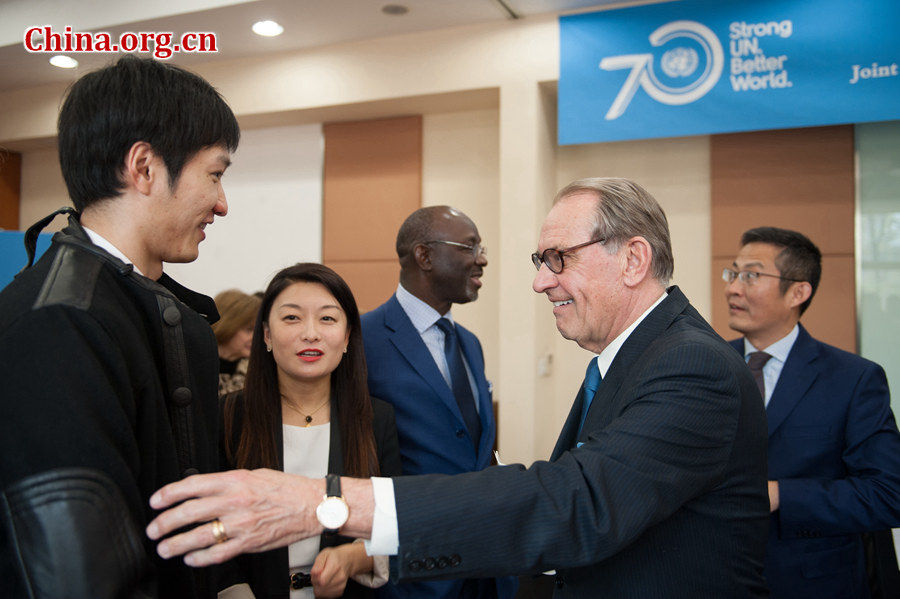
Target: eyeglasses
[749, 277]
[477, 249]
[554, 258]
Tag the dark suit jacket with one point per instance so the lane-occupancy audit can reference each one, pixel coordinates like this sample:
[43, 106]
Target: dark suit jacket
[666, 498]
[433, 436]
[835, 450]
[267, 572]
[90, 355]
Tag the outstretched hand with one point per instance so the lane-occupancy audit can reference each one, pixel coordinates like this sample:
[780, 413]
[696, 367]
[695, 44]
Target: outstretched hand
[259, 510]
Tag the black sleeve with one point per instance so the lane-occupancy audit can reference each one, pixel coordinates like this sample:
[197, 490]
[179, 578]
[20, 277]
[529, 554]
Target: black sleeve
[386, 441]
[68, 533]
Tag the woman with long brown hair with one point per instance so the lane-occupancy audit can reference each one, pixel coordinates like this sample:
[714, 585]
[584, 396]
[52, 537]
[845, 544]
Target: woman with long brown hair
[306, 410]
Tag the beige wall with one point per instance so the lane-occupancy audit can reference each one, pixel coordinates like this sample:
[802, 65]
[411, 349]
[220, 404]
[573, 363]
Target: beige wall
[487, 94]
[371, 181]
[43, 188]
[460, 162]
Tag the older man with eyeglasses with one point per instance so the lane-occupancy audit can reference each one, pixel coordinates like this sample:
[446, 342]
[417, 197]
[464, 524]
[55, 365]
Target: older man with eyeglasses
[834, 449]
[656, 487]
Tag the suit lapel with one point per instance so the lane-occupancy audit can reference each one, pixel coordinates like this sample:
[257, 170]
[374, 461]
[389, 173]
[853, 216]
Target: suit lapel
[566, 439]
[640, 339]
[795, 379]
[475, 359]
[409, 344]
[650, 329]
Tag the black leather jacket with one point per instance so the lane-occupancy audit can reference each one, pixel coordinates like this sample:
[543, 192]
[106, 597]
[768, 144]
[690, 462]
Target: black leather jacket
[108, 391]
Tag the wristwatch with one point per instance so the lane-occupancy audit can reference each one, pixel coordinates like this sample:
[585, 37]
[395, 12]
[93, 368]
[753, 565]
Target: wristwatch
[333, 511]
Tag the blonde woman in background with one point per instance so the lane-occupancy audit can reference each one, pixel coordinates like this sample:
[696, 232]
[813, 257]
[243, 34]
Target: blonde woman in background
[234, 334]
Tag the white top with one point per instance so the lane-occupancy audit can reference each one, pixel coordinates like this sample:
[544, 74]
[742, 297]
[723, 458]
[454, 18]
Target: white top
[305, 453]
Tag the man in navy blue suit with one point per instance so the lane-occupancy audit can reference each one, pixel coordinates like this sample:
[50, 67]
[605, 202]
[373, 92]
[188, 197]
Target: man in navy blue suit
[834, 449]
[441, 264]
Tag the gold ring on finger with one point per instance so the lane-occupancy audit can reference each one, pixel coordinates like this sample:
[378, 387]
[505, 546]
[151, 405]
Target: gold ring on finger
[219, 531]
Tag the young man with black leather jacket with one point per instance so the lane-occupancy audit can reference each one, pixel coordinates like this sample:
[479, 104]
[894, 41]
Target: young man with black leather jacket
[109, 367]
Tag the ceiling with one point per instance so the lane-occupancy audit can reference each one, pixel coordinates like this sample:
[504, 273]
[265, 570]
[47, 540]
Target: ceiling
[307, 23]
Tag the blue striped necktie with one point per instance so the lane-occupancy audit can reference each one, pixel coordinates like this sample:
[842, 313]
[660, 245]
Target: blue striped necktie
[591, 383]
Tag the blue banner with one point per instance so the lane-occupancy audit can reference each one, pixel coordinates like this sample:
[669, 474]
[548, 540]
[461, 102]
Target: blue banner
[13, 256]
[694, 67]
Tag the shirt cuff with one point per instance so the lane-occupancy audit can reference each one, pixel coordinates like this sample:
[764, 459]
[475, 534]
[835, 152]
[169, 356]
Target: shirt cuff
[380, 574]
[385, 532]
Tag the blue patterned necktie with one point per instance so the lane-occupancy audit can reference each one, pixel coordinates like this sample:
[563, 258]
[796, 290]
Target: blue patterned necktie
[591, 383]
[462, 390]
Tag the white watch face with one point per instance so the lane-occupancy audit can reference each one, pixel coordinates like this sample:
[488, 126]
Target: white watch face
[333, 513]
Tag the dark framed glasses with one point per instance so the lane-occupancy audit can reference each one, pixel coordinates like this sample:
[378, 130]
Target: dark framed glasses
[554, 259]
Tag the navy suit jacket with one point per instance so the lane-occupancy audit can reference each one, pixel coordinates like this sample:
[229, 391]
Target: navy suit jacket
[666, 498]
[835, 451]
[433, 436]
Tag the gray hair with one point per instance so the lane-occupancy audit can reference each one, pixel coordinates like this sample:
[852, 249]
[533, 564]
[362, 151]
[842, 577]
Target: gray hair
[625, 210]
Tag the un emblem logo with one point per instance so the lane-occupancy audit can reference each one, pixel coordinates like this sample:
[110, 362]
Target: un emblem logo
[688, 70]
[680, 62]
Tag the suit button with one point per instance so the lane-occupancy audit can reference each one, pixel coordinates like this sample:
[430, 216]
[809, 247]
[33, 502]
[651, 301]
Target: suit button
[182, 396]
[171, 316]
[455, 559]
[429, 563]
[443, 562]
[415, 565]
[460, 433]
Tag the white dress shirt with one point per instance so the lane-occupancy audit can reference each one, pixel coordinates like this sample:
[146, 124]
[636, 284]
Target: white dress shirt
[773, 367]
[102, 242]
